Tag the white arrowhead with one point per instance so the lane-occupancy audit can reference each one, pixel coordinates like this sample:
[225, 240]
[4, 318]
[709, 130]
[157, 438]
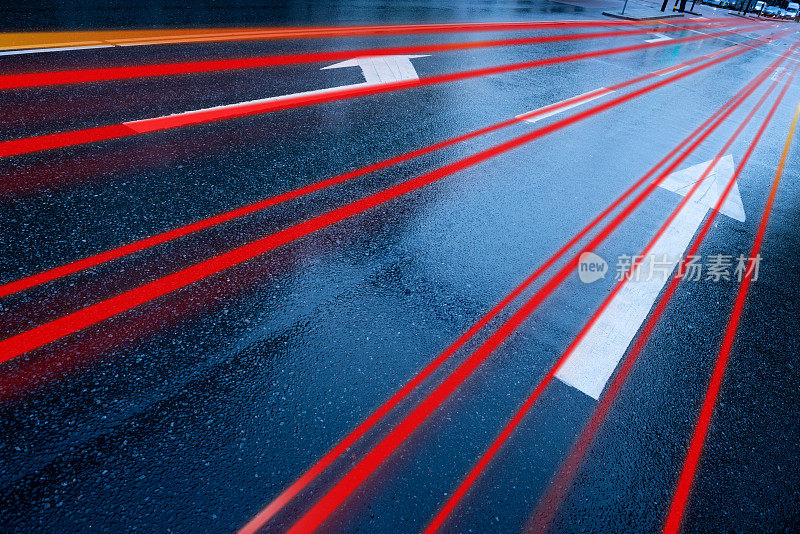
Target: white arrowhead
[382, 69]
[659, 38]
[712, 187]
[596, 356]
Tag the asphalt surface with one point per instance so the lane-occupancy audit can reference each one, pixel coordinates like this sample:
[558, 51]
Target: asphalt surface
[192, 412]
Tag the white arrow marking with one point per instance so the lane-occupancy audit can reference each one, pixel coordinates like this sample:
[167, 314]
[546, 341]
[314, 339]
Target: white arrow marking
[378, 67]
[659, 37]
[382, 69]
[569, 103]
[596, 357]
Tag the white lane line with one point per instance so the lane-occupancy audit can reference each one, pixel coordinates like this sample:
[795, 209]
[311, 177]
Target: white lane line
[676, 68]
[185, 117]
[56, 49]
[659, 37]
[564, 105]
[596, 357]
[670, 70]
[377, 70]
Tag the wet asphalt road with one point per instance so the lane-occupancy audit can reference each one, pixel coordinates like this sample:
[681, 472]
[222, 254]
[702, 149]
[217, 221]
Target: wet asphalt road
[192, 412]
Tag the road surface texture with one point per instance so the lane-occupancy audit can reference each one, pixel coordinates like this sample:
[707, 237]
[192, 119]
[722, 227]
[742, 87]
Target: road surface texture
[193, 383]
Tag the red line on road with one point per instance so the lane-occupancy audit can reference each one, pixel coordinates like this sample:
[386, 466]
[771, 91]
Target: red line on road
[64, 77]
[128, 300]
[681, 497]
[332, 499]
[215, 220]
[295, 488]
[550, 502]
[522, 411]
[14, 41]
[78, 137]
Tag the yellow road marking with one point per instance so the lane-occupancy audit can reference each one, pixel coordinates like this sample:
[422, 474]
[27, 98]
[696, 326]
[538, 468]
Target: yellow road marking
[20, 40]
